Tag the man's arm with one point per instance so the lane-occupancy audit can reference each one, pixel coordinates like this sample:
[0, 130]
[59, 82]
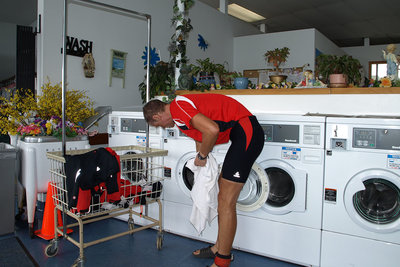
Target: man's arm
[209, 130]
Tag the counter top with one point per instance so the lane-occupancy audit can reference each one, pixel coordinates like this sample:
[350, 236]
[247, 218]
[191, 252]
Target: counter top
[299, 91]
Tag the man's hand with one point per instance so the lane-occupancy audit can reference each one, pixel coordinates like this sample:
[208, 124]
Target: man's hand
[199, 162]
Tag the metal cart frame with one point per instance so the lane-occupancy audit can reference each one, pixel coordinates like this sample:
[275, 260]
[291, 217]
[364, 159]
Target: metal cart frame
[150, 167]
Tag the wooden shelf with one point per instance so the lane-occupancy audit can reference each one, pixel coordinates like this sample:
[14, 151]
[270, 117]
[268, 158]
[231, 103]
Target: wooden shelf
[299, 91]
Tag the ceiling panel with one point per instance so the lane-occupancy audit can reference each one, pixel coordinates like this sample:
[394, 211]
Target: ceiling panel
[345, 22]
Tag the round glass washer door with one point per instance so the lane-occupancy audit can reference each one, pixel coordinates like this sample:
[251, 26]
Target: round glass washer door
[372, 200]
[255, 191]
[253, 194]
[184, 176]
[288, 188]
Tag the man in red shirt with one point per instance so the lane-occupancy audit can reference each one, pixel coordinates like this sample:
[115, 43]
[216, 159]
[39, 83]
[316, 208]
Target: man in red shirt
[212, 119]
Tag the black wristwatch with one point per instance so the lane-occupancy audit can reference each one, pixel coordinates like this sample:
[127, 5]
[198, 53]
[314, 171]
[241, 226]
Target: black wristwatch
[201, 157]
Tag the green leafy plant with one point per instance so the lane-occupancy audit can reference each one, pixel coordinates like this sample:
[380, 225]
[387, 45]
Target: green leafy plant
[333, 64]
[277, 56]
[182, 28]
[161, 81]
[206, 65]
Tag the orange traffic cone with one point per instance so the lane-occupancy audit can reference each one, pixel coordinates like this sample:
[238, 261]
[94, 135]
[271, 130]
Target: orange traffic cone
[47, 231]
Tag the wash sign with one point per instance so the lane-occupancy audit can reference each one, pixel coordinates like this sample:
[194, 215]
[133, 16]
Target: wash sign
[79, 48]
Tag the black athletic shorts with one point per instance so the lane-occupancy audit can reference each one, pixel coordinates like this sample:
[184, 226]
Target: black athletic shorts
[247, 138]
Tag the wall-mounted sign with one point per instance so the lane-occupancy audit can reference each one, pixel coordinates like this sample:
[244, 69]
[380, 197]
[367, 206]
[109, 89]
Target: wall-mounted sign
[117, 66]
[79, 48]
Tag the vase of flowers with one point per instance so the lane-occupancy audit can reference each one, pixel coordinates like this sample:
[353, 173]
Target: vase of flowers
[23, 114]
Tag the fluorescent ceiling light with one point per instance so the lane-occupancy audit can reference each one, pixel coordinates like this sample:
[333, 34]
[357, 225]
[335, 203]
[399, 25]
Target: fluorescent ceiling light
[243, 13]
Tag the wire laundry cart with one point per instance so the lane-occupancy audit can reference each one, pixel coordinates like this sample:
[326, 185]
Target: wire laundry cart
[141, 174]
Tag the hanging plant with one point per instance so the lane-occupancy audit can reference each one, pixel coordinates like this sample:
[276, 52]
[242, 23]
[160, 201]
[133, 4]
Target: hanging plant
[177, 47]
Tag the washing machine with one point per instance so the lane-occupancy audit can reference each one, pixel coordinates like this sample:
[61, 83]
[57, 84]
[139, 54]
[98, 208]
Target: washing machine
[288, 224]
[177, 201]
[126, 127]
[361, 208]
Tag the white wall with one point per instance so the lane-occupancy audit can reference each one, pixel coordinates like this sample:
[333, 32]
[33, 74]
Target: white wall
[8, 50]
[249, 50]
[326, 46]
[113, 31]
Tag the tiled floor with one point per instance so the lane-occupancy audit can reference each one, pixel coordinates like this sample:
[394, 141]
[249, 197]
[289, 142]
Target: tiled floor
[135, 250]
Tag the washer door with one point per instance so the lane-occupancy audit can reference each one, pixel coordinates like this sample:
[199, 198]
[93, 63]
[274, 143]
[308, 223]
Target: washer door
[372, 200]
[132, 168]
[184, 176]
[255, 191]
[288, 188]
[253, 194]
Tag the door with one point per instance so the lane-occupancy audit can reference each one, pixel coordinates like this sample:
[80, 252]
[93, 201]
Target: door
[372, 200]
[253, 194]
[288, 187]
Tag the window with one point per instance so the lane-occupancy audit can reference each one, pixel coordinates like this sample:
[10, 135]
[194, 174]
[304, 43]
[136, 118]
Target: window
[378, 69]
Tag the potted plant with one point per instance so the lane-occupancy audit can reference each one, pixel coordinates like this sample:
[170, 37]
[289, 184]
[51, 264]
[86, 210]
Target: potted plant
[338, 70]
[205, 69]
[276, 57]
[239, 81]
[161, 80]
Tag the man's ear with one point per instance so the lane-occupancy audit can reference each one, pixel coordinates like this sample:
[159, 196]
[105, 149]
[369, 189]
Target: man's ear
[156, 117]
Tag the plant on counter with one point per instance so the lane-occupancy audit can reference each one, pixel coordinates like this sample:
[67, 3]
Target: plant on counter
[333, 64]
[25, 115]
[207, 66]
[277, 56]
[161, 81]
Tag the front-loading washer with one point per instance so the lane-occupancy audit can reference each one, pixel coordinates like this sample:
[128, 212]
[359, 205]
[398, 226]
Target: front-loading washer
[127, 127]
[288, 224]
[177, 201]
[361, 209]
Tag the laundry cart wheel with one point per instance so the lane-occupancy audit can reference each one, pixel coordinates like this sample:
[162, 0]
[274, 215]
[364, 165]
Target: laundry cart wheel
[131, 224]
[160, 240]
[51, 249]
[79, 262]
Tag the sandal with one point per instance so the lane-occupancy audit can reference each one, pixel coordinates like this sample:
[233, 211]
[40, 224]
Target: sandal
[205, 253]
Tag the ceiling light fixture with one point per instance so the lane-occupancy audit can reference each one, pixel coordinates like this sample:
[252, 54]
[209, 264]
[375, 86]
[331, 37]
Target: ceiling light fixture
[243, 13]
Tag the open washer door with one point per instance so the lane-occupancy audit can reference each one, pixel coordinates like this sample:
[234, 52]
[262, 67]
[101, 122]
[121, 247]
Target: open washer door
[288, 188]
[255, 191]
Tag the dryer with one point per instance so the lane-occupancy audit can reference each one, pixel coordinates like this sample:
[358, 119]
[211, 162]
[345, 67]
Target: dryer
[288, 224]
[177, 201]
[361, 209]
[127, 126]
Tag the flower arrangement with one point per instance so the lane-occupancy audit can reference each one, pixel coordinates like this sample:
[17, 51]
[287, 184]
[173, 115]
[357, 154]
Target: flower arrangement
[16, 110]
[384, 82]
[26, 115]
[52, 127]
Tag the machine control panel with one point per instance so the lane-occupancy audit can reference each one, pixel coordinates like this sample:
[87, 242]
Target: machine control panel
[375, 138]
[281, 133]
[130, 125]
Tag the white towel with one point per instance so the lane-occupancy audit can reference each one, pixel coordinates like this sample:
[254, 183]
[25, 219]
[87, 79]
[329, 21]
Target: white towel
[204, 193]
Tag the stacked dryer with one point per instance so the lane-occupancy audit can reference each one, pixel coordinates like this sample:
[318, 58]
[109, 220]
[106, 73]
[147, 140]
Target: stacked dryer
[361, 218]
[127, 127]
[287, 226]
